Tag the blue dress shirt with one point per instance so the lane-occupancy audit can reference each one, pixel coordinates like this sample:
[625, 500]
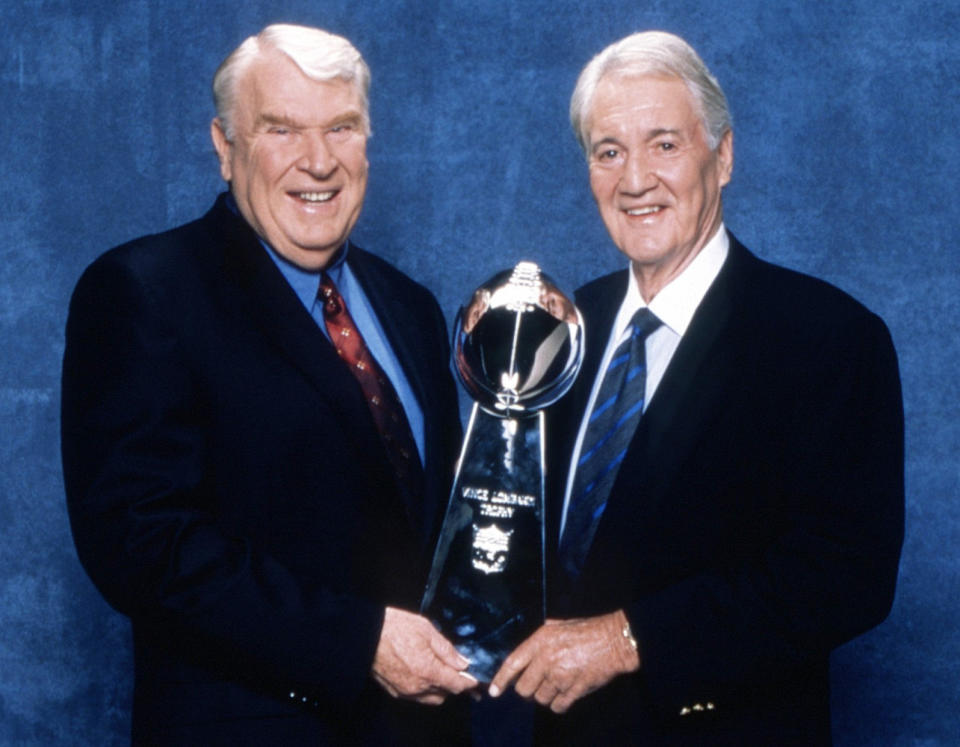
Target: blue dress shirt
[305, 284]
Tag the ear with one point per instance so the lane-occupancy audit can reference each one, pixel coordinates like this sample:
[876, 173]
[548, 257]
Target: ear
[725, 158]
[223, 147]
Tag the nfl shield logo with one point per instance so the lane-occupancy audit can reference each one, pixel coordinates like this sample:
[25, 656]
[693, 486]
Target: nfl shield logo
[491, 545]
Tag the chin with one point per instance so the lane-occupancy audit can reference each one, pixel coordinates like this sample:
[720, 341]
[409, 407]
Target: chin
[316, 241]
[646, 255]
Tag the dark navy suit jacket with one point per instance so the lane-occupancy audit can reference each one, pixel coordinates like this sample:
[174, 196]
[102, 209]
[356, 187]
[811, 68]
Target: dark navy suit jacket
[229, 492]
[756, 521]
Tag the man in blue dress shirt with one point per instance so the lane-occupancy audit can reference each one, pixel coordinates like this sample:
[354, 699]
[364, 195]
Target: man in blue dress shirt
[232, 485]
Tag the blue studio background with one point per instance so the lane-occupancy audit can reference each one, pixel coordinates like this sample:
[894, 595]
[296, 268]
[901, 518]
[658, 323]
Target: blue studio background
[846, 167]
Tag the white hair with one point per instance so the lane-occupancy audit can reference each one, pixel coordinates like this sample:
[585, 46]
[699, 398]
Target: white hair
[652, 53]
[319, 54]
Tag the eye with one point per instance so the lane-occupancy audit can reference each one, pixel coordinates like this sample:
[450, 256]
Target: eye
[279, 130]
[606, 154]
[343, 128]
[666, 146]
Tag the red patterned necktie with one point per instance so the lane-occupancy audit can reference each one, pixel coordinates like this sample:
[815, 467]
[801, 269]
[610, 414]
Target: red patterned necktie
[381, 397]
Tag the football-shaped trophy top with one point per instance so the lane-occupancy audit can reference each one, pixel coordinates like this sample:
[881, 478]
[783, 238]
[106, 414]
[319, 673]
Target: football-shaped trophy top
[518, 342]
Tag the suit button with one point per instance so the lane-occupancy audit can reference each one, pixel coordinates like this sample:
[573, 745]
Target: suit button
[292, 695]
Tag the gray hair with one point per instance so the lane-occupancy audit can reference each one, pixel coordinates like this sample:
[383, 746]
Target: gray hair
[652, 53]
[320, 55]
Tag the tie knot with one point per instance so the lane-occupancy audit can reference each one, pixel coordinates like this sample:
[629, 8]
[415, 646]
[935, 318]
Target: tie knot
[644, 322]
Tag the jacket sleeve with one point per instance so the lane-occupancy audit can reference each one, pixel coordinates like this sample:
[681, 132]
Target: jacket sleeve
[829, 571]
[134, 446]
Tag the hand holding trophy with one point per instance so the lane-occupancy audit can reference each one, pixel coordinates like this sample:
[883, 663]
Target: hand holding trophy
[518, 345]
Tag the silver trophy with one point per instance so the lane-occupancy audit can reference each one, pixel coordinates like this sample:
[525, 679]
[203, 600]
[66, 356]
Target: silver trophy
[518, 345]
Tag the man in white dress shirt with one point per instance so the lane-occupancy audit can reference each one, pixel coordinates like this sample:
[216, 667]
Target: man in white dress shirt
[731, 507]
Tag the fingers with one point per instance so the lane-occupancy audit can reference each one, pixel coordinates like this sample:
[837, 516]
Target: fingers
[449, 679]
[535, 672]
[415, 662]
[451, 670]
[562, 703]
[546, 693]
[446, 651]
[559, 702]
[512, 666]
[533, 678]
[428, 697]
[567, 659]
[394, 693]
[433, 699]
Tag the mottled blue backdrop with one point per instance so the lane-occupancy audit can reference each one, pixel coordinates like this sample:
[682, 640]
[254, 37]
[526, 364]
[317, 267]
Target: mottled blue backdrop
[847, 161]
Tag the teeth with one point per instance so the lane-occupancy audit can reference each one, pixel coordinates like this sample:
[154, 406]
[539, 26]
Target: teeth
[644, 210]
[315, 196]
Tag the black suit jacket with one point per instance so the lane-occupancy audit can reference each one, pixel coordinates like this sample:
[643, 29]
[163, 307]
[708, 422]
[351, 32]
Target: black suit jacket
[228, 489]
[756, 521]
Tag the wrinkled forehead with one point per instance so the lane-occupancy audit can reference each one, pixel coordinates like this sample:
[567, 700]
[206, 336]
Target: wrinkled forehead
[630, 95]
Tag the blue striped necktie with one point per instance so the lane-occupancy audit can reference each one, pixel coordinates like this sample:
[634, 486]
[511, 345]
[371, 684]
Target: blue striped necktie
[614, 419]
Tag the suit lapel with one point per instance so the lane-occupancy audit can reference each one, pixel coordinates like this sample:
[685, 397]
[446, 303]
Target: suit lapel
[688, 397]
[273, 308]
[601, 301]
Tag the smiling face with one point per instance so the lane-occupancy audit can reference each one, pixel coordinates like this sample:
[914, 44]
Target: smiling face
[297, 165]
[656, 181]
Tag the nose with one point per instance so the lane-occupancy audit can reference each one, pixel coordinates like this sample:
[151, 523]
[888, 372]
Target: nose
[638, 174]
[317, 158]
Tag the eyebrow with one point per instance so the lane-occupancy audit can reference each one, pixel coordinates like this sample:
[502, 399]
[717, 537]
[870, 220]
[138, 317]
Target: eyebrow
[609, 140]
[654, 134]
[271, 118]
[651, 135]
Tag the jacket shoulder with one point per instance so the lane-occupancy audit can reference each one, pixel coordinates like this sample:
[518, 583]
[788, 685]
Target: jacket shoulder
[161, 254]
[601, 288]
[792, 299]
[169, 274]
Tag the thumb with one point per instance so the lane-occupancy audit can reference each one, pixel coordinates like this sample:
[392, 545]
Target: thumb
[447, 652]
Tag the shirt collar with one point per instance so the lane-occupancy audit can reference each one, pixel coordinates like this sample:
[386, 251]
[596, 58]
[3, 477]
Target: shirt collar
[304, 282]
[678, 300]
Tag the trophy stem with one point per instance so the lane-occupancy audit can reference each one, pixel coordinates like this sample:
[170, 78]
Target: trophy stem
[486, 591]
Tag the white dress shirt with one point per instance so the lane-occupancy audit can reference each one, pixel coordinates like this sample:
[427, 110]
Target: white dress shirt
[675, 306]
